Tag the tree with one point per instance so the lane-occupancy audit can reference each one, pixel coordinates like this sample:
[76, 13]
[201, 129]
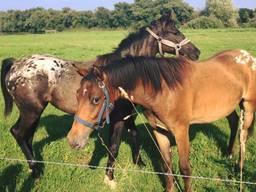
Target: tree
[104, 17]
[146, 11]
[245, 15]
[223, 10]
[122, 15]
[36, 23]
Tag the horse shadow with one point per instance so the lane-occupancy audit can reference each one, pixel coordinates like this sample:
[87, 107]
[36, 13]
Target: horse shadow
[145, 141]
[8, 177]
[209, 130]
[57, 128]
[232, 166]
[212, 132]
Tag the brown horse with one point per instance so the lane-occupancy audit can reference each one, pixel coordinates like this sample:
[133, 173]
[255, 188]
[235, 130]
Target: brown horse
[37, 80]
[178, 91]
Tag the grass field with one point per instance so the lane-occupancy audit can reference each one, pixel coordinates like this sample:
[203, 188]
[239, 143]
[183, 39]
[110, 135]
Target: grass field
[208, 142]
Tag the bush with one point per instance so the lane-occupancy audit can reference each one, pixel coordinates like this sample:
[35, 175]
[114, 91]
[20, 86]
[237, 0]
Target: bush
[252, 22]
[204, 22]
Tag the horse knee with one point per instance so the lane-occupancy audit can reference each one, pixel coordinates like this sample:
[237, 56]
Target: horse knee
[185, 169]
[114, 149]
[16, 133]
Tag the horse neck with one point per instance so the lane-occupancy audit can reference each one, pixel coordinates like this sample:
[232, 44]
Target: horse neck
[143, 47]
[146, 46]
[139, 95]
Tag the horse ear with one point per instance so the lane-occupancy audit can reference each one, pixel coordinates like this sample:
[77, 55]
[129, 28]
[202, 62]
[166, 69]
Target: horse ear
[80, 71]
[97, 71]
[166, 16]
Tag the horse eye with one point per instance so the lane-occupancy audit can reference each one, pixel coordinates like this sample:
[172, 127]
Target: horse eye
[95, 100]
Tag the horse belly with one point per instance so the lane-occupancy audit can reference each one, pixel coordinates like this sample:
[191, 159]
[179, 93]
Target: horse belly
[212, 107]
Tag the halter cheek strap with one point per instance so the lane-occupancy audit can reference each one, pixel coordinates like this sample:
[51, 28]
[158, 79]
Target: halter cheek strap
[160, 41]
[105, 108]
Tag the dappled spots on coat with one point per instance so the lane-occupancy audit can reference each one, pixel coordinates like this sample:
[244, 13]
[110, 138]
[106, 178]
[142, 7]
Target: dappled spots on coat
[246, 58]
[25, 70]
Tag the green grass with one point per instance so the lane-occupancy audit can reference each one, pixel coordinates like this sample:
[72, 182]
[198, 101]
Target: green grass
[208, 142]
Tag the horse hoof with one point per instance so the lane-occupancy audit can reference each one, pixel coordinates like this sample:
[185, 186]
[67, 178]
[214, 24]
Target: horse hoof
[110, 183]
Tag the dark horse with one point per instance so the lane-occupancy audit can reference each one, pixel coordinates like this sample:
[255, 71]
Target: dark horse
[179, 92]
[37, 80]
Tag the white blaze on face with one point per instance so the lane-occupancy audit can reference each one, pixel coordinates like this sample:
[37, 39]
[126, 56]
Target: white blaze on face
[246, 58]
[84, 92]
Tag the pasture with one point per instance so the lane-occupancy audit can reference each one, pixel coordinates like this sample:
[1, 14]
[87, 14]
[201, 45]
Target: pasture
[208, 141]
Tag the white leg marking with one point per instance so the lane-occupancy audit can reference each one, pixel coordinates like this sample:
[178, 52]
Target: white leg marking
[110, 183]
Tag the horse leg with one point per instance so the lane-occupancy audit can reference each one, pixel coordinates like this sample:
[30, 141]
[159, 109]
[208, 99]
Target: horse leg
[245, 124]
[233, 125]
[23, 131]
[129, 123]
[164, 145]
[116, 129]
[182, 140]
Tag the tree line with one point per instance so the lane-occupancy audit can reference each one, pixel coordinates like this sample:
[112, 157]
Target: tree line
[217, 13]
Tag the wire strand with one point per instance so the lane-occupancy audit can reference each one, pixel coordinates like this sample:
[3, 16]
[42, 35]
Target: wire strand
[125, 170]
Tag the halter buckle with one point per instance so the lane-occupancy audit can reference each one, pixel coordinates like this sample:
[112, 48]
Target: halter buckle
[178, 47]
[168, 43]
[159, 39]
[101, 84]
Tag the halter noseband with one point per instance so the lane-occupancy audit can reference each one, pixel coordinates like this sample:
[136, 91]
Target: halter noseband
[106, 106]
[160, 40]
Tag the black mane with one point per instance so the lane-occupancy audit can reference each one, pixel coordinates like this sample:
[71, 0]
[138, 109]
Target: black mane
[132, 41]
[142, 33]
[126, 72]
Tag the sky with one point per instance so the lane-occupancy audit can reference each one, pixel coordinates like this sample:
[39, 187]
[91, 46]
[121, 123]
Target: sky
[93, 4]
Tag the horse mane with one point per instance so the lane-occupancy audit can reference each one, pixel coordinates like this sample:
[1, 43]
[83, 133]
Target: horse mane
[129, 42]
[149, 70]
[107, 58]
[132, 41]
[142, 33]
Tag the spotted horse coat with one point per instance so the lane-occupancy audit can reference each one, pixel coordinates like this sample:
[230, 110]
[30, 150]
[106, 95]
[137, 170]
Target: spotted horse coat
[48, 73]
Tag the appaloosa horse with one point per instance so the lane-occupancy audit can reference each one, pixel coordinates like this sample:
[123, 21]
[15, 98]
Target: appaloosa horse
[37, 80]
[180, 92]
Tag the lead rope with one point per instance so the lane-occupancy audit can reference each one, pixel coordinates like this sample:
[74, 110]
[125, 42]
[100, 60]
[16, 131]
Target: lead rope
[241, 120]
[151, 136]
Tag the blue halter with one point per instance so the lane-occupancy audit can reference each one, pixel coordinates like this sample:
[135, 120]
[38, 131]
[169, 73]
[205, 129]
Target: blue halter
[106, 106]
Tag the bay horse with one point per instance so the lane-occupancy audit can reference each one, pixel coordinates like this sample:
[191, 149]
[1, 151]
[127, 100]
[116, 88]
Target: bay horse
[178, 91]
[37, 80]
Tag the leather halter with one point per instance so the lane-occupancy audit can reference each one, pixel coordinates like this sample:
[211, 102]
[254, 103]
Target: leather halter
[160, 40]
[105, 108]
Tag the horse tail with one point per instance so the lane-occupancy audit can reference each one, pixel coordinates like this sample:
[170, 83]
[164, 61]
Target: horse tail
[6, 66]
[251, 128]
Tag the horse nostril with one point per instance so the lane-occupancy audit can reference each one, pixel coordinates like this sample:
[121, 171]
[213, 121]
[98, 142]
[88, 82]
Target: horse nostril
[71, 142]
[75, 145]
